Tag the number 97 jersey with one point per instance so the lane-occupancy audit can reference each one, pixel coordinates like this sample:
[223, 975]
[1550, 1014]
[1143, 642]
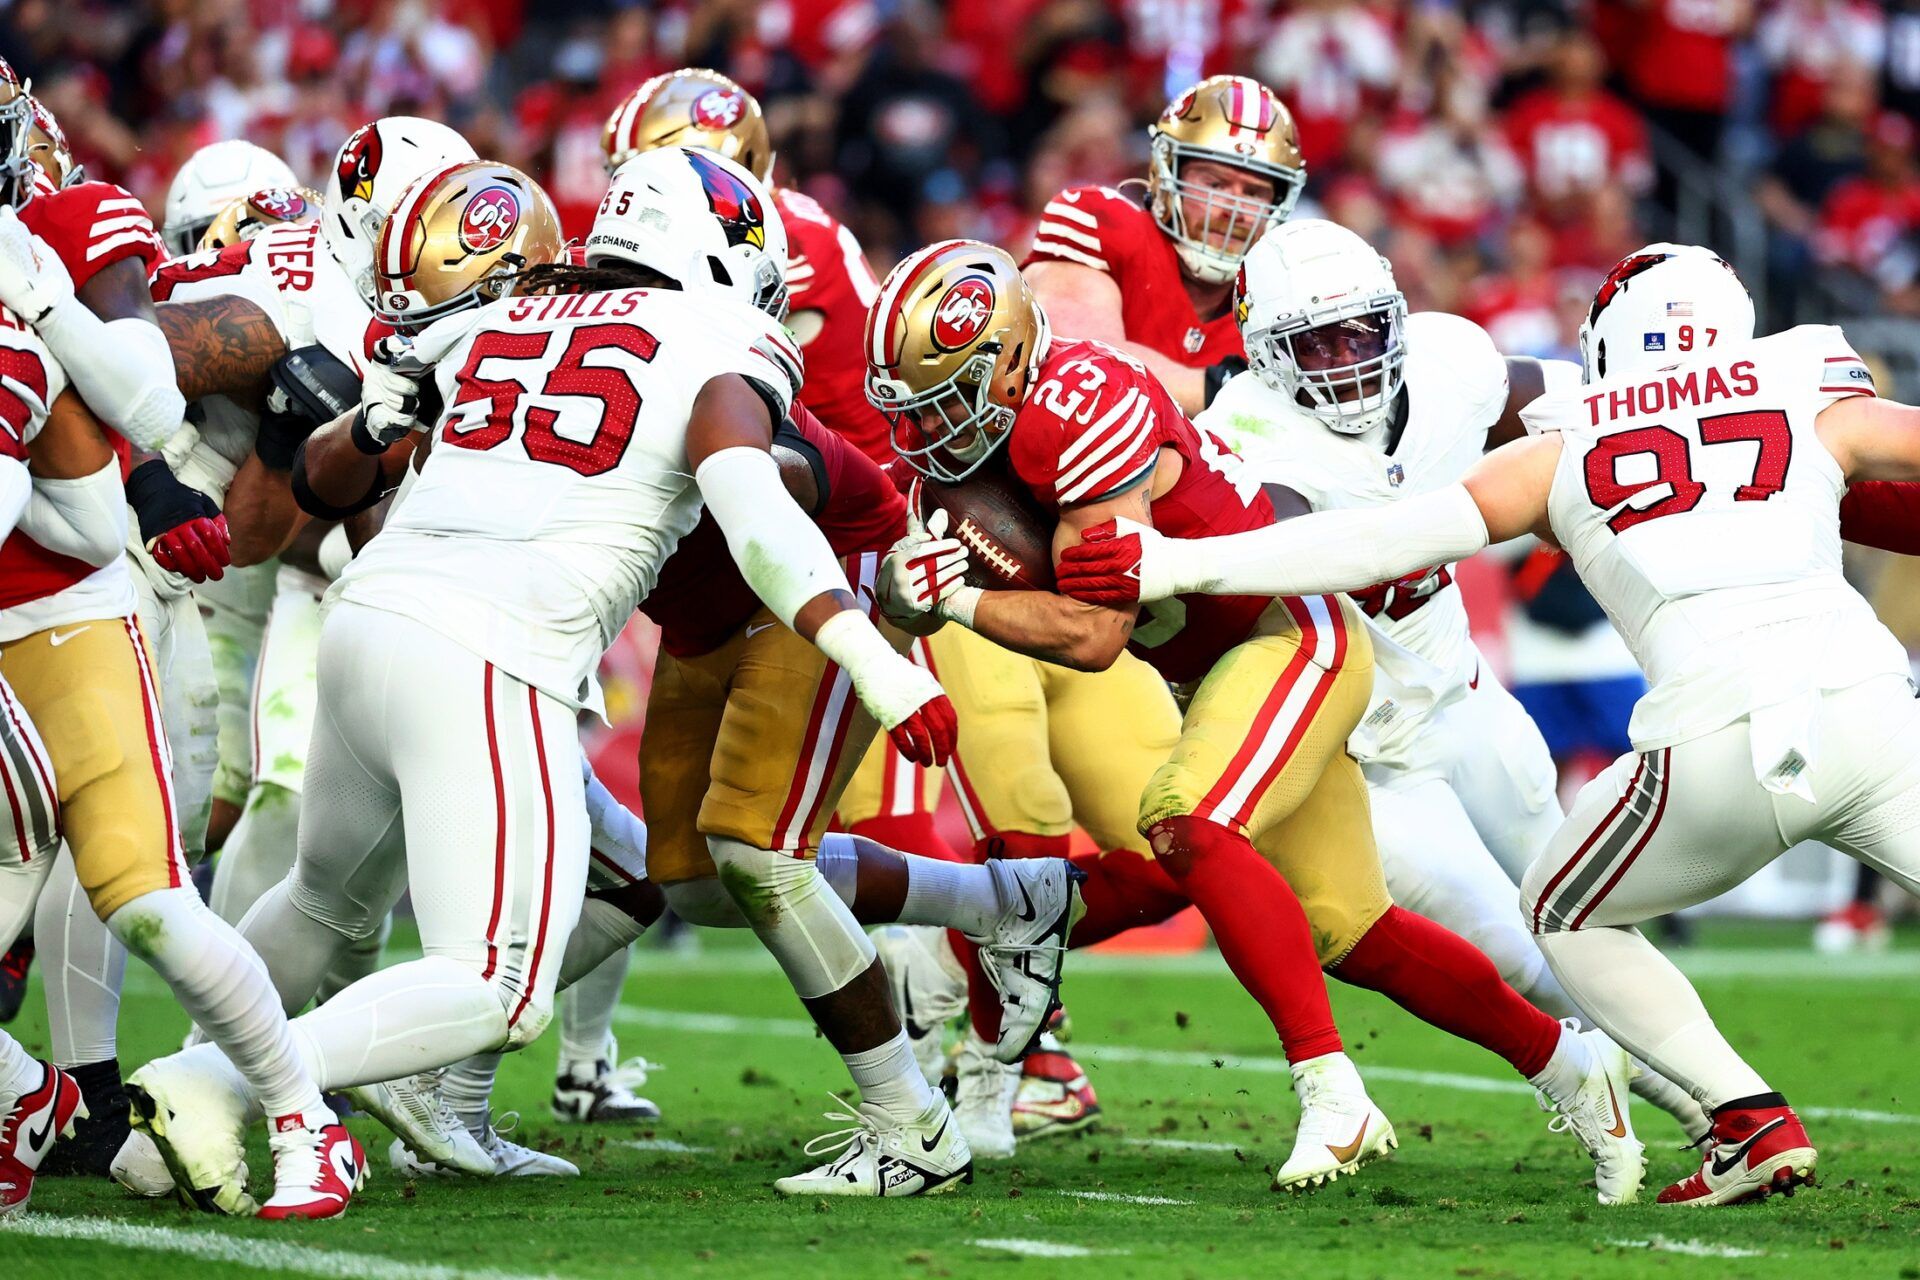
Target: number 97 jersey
[1702, 510]
[558, 481]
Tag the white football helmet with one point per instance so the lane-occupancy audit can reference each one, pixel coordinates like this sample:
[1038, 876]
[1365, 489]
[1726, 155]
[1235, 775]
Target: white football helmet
[1658, 306]
[213, 178]
[698, 219]
[1323, 322]
[377, 162]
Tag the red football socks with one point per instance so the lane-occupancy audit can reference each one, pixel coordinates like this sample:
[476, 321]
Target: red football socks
[1123, 890]
[1442, 979]
[1259, 925]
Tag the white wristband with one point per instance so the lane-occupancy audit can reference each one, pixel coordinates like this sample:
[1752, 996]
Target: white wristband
[960, 605]
[853, 643]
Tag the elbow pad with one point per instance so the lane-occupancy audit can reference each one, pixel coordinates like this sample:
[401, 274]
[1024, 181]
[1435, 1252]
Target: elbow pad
[781, 553]
[85, 518]
[122, 368]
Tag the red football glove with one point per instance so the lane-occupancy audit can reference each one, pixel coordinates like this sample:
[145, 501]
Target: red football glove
[927, 736]
[198, 549]
[1103, 569]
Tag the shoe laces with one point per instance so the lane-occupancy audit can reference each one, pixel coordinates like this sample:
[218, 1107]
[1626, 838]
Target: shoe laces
[983, 1081]
[862, 1129]
[296, 1157]
[630, 1075]
[427, 1096]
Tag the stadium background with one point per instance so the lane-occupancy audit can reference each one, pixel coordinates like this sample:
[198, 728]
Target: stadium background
[1503, 153]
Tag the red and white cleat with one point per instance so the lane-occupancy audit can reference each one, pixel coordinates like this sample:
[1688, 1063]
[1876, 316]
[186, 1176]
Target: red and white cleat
[317, 1166]
[38, 1118]
[1055, 1095]
[1755, 1152]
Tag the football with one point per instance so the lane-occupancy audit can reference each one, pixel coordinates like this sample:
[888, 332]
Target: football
[1008, 536]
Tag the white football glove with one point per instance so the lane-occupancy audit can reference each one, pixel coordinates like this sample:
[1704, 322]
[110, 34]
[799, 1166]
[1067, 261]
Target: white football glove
[921, 570]
[390, 389]
[33, 280]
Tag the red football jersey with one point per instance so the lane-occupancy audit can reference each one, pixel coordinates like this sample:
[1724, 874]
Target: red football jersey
[1109, 230]
[1094, 426]
[701, 599]
[92, 226]
[1570, 147]
[827, 272]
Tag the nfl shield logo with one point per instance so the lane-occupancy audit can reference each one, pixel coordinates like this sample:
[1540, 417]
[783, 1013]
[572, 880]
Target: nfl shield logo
[1195, 340]
[1395, 474]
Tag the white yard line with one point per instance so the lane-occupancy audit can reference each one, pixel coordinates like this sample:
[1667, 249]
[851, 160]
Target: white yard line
[1692, 1248]
[795, 1029]
[267, 1255]
[1114, 1197]
[1044, 1249]
[662, 1144]
[1183, 1144]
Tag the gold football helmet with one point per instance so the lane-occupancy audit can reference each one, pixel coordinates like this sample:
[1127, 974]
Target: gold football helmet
[458, 237]
[248, 216]
[47, 146]
[1235, 122]
[691, 107]
[953, 343]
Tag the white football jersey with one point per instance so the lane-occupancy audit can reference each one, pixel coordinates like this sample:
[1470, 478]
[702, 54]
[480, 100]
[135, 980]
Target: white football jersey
[1456, 389]
[1702, 511]
[287, 272]
[558, 480]
[39, 589]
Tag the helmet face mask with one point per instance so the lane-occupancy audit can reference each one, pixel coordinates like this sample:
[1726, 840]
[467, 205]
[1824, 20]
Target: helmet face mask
[16, 140]
[1223, 123]
[949, 430]
[1343, 364]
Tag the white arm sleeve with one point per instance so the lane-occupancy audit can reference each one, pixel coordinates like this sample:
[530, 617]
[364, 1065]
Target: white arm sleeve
[781, 553]
[15, 487]
[122, 368]
[85, 518]
[1324, 552]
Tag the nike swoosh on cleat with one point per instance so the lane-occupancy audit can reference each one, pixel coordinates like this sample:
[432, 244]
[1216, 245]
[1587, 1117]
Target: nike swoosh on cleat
[1720, 1166]
[41, 1140]
[1619, 1129]
[1031, 912]
[1345, 1154]
[928, 1144]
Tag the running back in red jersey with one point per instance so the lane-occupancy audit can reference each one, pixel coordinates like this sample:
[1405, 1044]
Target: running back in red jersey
[1097, 424]
[1107, 229]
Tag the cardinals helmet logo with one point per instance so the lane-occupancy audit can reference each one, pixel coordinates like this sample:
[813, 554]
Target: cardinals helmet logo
[732, 201]
[359, 162]
[962, 313]
[1242, 301]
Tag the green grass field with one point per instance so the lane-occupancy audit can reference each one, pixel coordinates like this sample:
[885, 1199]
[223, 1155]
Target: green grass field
[1174, 1183]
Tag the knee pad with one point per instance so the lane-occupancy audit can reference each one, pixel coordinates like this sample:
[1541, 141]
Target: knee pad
[796, 913]
[1172, 792]
[704, 902]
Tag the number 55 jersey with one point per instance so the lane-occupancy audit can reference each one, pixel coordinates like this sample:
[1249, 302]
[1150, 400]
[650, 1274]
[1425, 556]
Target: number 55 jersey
[1702, 511]
[559, 482]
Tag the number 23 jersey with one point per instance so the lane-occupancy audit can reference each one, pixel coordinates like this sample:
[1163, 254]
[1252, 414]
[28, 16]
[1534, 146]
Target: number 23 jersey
[1702, 511]
[559, 481]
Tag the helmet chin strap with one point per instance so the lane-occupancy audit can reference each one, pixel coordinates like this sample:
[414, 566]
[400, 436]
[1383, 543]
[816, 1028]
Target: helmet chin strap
[1204, 267]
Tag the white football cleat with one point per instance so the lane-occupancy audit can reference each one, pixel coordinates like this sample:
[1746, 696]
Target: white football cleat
[196, 1114]
[1595, 1111]
[510, 1159]
[317, 1166]
[1340, 1128]
[420, 1117]
[1023, 954]
[985, 1089]
[929, 988]
[878, 1155]
[139, 1168]
[598, 1092]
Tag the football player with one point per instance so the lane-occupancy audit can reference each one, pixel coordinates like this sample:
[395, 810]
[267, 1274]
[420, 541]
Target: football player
[1696, 481]
[1355, 403]
[1258, 816]
[463, 639]
[1150, 271]
[74, 655]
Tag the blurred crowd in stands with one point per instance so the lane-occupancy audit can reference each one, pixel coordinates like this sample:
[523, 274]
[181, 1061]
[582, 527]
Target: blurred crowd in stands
[1501, 151]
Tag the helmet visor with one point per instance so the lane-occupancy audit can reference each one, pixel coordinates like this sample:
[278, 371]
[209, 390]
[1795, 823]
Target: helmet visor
[947, 431]
[1343, 367]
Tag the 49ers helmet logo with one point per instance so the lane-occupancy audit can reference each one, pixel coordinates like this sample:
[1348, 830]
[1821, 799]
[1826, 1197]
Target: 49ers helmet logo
[961, 315]
[279, 202]
[733, 202]
[719, 109]
[489, 218]
[360, 162]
